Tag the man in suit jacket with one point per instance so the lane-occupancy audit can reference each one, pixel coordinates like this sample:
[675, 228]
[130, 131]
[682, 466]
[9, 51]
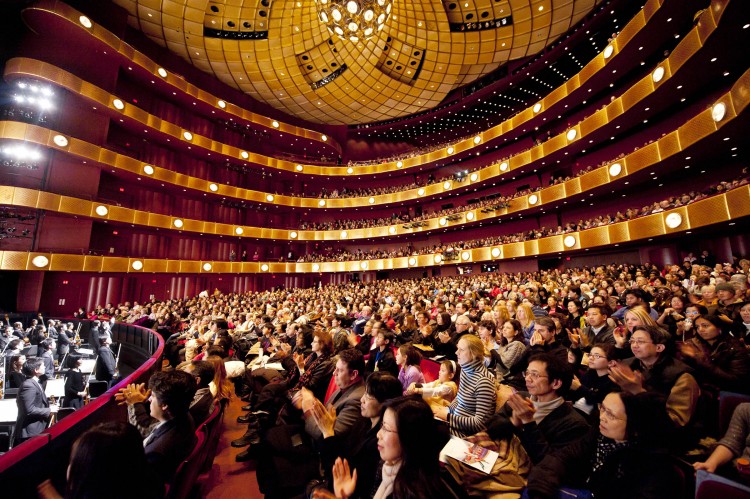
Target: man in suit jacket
[34, 409]
[168, 442]
[63, 342]
[94, 333]
[598, 330]
[105, 367]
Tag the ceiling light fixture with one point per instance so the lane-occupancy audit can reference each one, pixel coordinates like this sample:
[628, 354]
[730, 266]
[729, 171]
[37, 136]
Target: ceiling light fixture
[354, 20]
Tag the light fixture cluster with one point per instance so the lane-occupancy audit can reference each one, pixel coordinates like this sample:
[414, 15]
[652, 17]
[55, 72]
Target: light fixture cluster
[354, 20]
[21, 153]
[34, 94]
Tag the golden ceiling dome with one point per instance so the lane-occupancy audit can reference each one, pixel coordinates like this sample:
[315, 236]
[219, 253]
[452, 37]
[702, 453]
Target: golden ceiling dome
[280, 51]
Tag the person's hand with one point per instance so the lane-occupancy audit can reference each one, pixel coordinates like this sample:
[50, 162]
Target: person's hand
[629, 380]
[704, 466]
[46, 490]
[440, 412]
[132, 394]
[668, 311]
[344, 481]
[621, 336]
[411, 389]
[575, 384]
[523, 410]
[321, 493]
[536, 339]
[299, 359]
[324, 418]
[444, 337]
[574, 336]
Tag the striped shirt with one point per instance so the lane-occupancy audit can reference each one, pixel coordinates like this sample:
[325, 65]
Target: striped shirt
[476, 400]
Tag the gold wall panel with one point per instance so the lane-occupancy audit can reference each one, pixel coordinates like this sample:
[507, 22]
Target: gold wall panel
[191, 267]
[121, 214]
[531, 247]
[708, 211]
[632, 96]
[25, 197]
[512, 250]
[118, 264]
[152, 265]
[572, 186]
[643, 227]
[684, 50]
[619, 233]
[643, 157]
[595, 178]
[596, 120]
[598, 236]
[740, 93]
[548, 245]
[51, 202]
[66, 262]
[669, 145]
[15, 260]
[738, 202]
[93, 263]
[6, 194]
[696, 129]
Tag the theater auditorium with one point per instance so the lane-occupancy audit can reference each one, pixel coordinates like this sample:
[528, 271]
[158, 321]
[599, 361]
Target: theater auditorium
[374, 248]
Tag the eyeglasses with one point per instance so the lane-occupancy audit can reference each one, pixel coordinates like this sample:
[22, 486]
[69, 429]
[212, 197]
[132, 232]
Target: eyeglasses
[597, 356]
[388, 430]
[607, 413]
[532, 375]
[638, 342]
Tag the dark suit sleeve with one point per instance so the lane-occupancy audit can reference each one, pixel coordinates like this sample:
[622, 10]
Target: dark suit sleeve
[27, 396]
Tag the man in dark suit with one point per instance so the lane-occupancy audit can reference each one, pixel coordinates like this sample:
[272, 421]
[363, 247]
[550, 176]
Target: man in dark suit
[105, 367]
[63, 342]
[34, 409]
[94, 333]
[170, 440]
[46, 348]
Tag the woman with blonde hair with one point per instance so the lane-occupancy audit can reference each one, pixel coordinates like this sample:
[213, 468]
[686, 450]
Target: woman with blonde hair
[511, 306]
[500, 315]
[525, 316]
[221, 387]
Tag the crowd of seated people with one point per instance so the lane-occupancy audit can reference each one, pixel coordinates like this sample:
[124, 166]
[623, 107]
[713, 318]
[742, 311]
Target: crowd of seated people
[452, 250]
[563, 406]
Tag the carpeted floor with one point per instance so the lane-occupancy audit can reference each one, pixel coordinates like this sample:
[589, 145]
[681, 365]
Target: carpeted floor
[229, 479]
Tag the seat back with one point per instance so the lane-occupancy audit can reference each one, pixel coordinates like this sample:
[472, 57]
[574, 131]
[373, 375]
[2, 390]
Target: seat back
[728, 402]
[64, 412]
[212, 428]
[430, 369]
[711, 486]
[97, 388]
[332, 387]
[187, 473]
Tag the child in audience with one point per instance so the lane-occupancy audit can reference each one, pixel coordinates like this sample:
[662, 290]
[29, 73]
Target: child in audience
[440, 392]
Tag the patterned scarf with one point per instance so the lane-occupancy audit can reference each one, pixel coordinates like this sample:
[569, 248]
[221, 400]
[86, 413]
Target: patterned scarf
[304, 379]
[605, 447]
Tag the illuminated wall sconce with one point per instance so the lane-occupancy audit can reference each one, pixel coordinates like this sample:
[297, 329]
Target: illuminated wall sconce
[443, 221]
[350, 170]
[244, 155]
[40, 261]
[438, 258]
[213, 187]
[371, 200]
[465, 256]
[316, 267]
[148, 169]
[474, 177]
[470, 216]
[673, 220]
[293, 234]
[412, 261]
[569, 241]
[503, 166]
[447, 185]
[400, 164]
[178, 223]
[239, 231]
[608, 50]
[718, 111]
[162, 72]
[60, 140]
[187, 135]
[537, 107]
[299, 168]
[264, 267]
[207, 267]
[222, 104]
[322, 202]
[324, 138]
[364, 265]
[275, 124]
[495, 252]
[344, 234]
[450, 150]
[615, 169]
[118, 104]
[137, 265]
[391, 229]
[85, 22]
[658, 74]
[101, 210]
[477, 139]
[571, 134]
[533, 199]
[420, 191]
[269, 198]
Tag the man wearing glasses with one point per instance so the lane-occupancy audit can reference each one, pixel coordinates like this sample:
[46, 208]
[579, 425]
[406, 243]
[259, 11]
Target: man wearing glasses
[655, 369]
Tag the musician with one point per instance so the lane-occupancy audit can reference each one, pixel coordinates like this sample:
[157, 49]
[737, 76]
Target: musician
[18, 330]
[105, 367]
[63, 342]
[46, 347]
[5, 337]
[94, 333]
[75, 389]
[15, 367]
[34, 410]
[52, 331]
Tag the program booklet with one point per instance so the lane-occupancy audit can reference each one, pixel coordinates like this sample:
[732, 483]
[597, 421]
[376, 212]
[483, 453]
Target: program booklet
[470, 454]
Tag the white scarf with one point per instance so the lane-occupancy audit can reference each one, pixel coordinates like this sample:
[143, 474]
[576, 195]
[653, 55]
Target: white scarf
[388, 473]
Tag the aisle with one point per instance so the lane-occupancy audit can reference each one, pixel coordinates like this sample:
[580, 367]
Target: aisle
[230, 479]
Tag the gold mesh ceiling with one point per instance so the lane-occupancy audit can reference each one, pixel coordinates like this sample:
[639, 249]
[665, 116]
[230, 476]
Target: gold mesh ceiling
[279, 52]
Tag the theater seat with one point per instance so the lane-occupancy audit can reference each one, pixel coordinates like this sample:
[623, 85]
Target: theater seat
[97, 388]
[710, 486]
[212, 429]
[187, 473]
[430, 369]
